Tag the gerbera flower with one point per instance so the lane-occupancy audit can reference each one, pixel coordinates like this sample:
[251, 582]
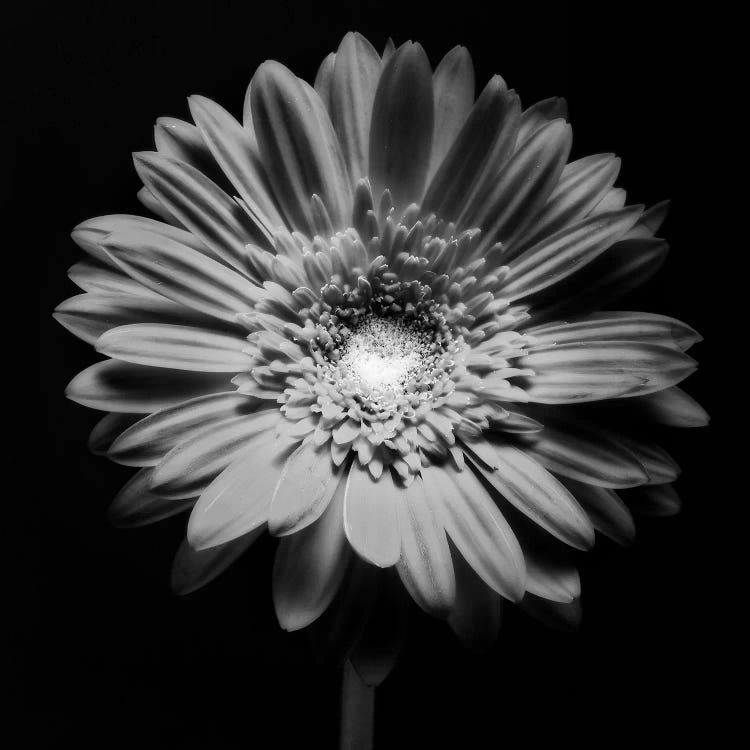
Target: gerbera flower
[369, 321]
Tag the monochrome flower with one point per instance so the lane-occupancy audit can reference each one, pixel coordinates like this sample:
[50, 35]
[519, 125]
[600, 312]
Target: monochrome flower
[375, 319]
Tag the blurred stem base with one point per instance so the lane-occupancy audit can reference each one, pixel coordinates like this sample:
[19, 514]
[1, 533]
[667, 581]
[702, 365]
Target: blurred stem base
[357, 711]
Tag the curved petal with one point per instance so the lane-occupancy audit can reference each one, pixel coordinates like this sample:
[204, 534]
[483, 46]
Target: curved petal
[558, 256]
[371, 519]
[107, 429]
[673, 407]
[193, 463]
[89, 315]
[135, 504]
[306, 485]
[201, 206]
[609, 515]
[309, 567]
[535, 492]
[299, 147]
[402, 127]
[237, 501]
[177, 346]
[134, 389]
[425, 566]
[478, 529]
[236, 151]
[97, 278]
[355, 79]
[182, 275]
[192, 569]
[453, 89]
[150, 439]
[539, 114]
[616, 326]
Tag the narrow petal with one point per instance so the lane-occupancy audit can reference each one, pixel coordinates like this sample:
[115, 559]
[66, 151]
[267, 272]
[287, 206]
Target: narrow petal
[658, 500]
[477, 612]
[539, 114]
[182, 275]
[306, 485]
[127, 388]
[355, 79]
[556, 615]
[201, 206]
[535, 492]
[609, 515]
[309, 567]
[523, 185]
[299, 147]
[458, 174]
[89, 315]
[371, 519]
[616, 326]
[478, 529]
[150, 439]
[558, 256]
[402, 126]
[177, 346]
[236, 151]
[673, 407]
[107, 429]
[237, 501]
[588, 455]
[192, 569]
[583, 183]
[570, 373]
[135, 505]
[425, 566]
[97, 278]
[193, 463]
[324, 79]
[453, 87]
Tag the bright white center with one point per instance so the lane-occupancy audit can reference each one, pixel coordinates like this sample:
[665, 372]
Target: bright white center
[383, 354]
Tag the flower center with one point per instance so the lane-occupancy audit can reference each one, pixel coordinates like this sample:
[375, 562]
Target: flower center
[383, 355]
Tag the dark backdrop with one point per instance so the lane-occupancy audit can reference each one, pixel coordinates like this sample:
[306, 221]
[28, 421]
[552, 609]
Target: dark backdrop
[110, 657]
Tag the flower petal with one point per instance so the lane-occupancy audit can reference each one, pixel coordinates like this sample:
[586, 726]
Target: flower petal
[583, 183]
[402, 126]
[306, 485]
[453, 87]
[586, 454]
[564, 616]
[478, 610]
[673, 407]
[95, 277]
[609, 515]
[425, 566]
[560, 255]
[134, 389]
[571, 373]
[176, 346]
[236, 151]
[355, 79]
[658, 500]
[371, 519]
[135, 504]
[237, 501]
[150, 439]
[107, 429]
[192, 569]
[522, 186]
[189, 467]
[309, 567]
[458, 175]
[201, 206]
[323, 80]
[478, 529]
[616, 326]
[539, 114]
[299, 147]
[89, 315]
[182, 275]
[535, 492]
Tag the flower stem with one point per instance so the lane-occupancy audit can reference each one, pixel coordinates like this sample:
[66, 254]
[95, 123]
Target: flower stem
[357, 711]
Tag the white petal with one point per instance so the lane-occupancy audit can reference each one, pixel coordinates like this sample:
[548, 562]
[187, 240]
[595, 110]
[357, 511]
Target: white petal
[371, 518]
[135, 505]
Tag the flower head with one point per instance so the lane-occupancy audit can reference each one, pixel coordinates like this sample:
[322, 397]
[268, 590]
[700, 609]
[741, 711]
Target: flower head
[371, 320]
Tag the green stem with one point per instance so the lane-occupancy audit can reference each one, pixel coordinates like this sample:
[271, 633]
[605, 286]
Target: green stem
[357, 711]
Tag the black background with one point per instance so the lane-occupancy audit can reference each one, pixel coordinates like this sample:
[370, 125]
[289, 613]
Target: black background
[110, 657]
